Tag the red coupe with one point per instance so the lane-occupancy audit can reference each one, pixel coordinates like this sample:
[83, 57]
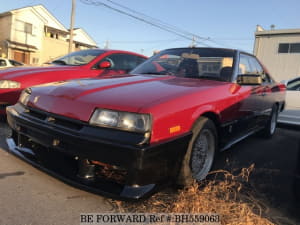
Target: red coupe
[163, 123]
[80, 64]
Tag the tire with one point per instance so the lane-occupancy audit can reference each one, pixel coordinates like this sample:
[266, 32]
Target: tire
[200, 154]
[270, 127]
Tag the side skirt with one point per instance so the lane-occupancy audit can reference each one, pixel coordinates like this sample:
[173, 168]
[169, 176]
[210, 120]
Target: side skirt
[234, 141]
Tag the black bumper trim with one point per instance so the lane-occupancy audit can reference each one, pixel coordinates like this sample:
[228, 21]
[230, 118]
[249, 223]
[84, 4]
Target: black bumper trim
[101, 187]
[148, 167]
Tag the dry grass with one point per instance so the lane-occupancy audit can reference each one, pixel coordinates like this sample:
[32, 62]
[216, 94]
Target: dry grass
[225, 194]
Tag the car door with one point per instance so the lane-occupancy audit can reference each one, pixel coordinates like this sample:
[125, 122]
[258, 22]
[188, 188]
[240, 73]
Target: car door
[266, 91]
[248, 104]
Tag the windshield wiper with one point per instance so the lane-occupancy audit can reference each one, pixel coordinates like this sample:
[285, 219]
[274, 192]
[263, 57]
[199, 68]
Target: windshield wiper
[211, 78]
[59, 62]
[156, 73]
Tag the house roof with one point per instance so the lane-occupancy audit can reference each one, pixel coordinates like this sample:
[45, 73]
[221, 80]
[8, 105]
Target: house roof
[277, 32]
[18, 45]
[42, 13]
[81, 36]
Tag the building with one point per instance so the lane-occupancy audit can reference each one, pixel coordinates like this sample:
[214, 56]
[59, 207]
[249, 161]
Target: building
[33, 35]
[279, 51]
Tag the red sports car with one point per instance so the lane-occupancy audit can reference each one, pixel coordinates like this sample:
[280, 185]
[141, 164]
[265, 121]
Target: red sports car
[80, 64]
[127, 135]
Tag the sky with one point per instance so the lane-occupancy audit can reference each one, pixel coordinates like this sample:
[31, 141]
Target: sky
[226, 24]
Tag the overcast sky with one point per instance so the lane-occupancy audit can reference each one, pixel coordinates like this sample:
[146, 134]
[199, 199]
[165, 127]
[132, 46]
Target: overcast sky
[229, 24]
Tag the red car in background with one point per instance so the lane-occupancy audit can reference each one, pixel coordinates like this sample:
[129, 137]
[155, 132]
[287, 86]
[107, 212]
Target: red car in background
[163, 123]
[80, 64]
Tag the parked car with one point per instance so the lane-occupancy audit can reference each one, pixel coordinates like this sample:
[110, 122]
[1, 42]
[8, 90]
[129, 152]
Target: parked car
[80, 64]
[297, 176]
[5, 63]
[163, 123]
[291, 113]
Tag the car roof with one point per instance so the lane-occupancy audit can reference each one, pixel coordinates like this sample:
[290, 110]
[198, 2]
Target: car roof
[112, 50]
[221, 49]
[226, 49]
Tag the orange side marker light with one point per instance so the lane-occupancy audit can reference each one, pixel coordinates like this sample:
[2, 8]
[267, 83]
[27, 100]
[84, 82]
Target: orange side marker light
[174, 129]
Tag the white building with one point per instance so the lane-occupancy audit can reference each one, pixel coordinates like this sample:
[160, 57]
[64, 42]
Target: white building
[33, 35]
[279, 51]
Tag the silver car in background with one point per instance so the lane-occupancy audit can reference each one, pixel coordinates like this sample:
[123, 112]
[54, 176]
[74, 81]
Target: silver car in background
[291, 114]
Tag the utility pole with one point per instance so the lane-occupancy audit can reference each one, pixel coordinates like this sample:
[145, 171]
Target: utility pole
[72, 25]
[106, 46]
[193, 44]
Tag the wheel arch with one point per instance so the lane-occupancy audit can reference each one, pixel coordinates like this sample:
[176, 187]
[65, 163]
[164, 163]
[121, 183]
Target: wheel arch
[214, 117]
[280, 105]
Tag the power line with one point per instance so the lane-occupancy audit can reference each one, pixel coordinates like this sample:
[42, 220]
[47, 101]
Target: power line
[162, 26]
[192, 37]
[159, 21]
[150, 41]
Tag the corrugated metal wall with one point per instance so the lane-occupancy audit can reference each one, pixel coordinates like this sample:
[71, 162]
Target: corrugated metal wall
[281, 66]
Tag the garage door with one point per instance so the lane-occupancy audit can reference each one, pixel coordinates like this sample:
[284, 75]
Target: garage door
[21, 56]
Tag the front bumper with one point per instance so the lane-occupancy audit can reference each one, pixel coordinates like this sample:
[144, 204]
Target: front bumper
[58, 149]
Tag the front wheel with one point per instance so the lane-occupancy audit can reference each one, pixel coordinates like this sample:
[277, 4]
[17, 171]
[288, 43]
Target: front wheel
[200, 154]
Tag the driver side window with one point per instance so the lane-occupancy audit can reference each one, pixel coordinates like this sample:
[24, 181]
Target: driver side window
[244, 65]
[250, 65]
[259, 70]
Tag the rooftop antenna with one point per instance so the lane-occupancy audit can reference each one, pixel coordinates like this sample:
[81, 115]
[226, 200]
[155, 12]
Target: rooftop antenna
[272, 27]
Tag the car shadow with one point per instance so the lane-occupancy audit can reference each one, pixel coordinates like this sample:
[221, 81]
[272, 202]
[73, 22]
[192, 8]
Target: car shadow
[275, 163]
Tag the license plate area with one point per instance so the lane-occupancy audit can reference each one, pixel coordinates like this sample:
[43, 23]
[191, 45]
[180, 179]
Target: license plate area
[27, 137]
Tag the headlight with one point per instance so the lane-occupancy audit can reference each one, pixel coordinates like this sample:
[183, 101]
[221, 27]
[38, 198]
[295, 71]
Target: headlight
[25, 95]
[9, 84]
[121, 120]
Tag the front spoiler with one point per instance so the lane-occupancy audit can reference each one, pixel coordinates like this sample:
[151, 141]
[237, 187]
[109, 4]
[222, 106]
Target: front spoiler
[142, 169]
[63, 172]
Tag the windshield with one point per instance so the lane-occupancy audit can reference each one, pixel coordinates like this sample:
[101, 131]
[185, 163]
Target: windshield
[205, 63]
[78, 58]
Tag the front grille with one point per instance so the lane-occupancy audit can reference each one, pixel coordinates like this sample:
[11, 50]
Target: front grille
[37, 115]
[112, 174]
[54, 119]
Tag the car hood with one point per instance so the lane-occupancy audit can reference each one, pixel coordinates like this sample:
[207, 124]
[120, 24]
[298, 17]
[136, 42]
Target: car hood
[19, 73]
[79, 98]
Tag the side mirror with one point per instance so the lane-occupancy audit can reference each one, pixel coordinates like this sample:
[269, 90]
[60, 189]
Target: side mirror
[249, 79]
[285, 82]
[104, 65]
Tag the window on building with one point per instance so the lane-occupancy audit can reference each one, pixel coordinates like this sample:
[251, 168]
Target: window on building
[289, 48]
[35, 60]
[283, 48]
[23, 27]
[28, 28]
[295, 48]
